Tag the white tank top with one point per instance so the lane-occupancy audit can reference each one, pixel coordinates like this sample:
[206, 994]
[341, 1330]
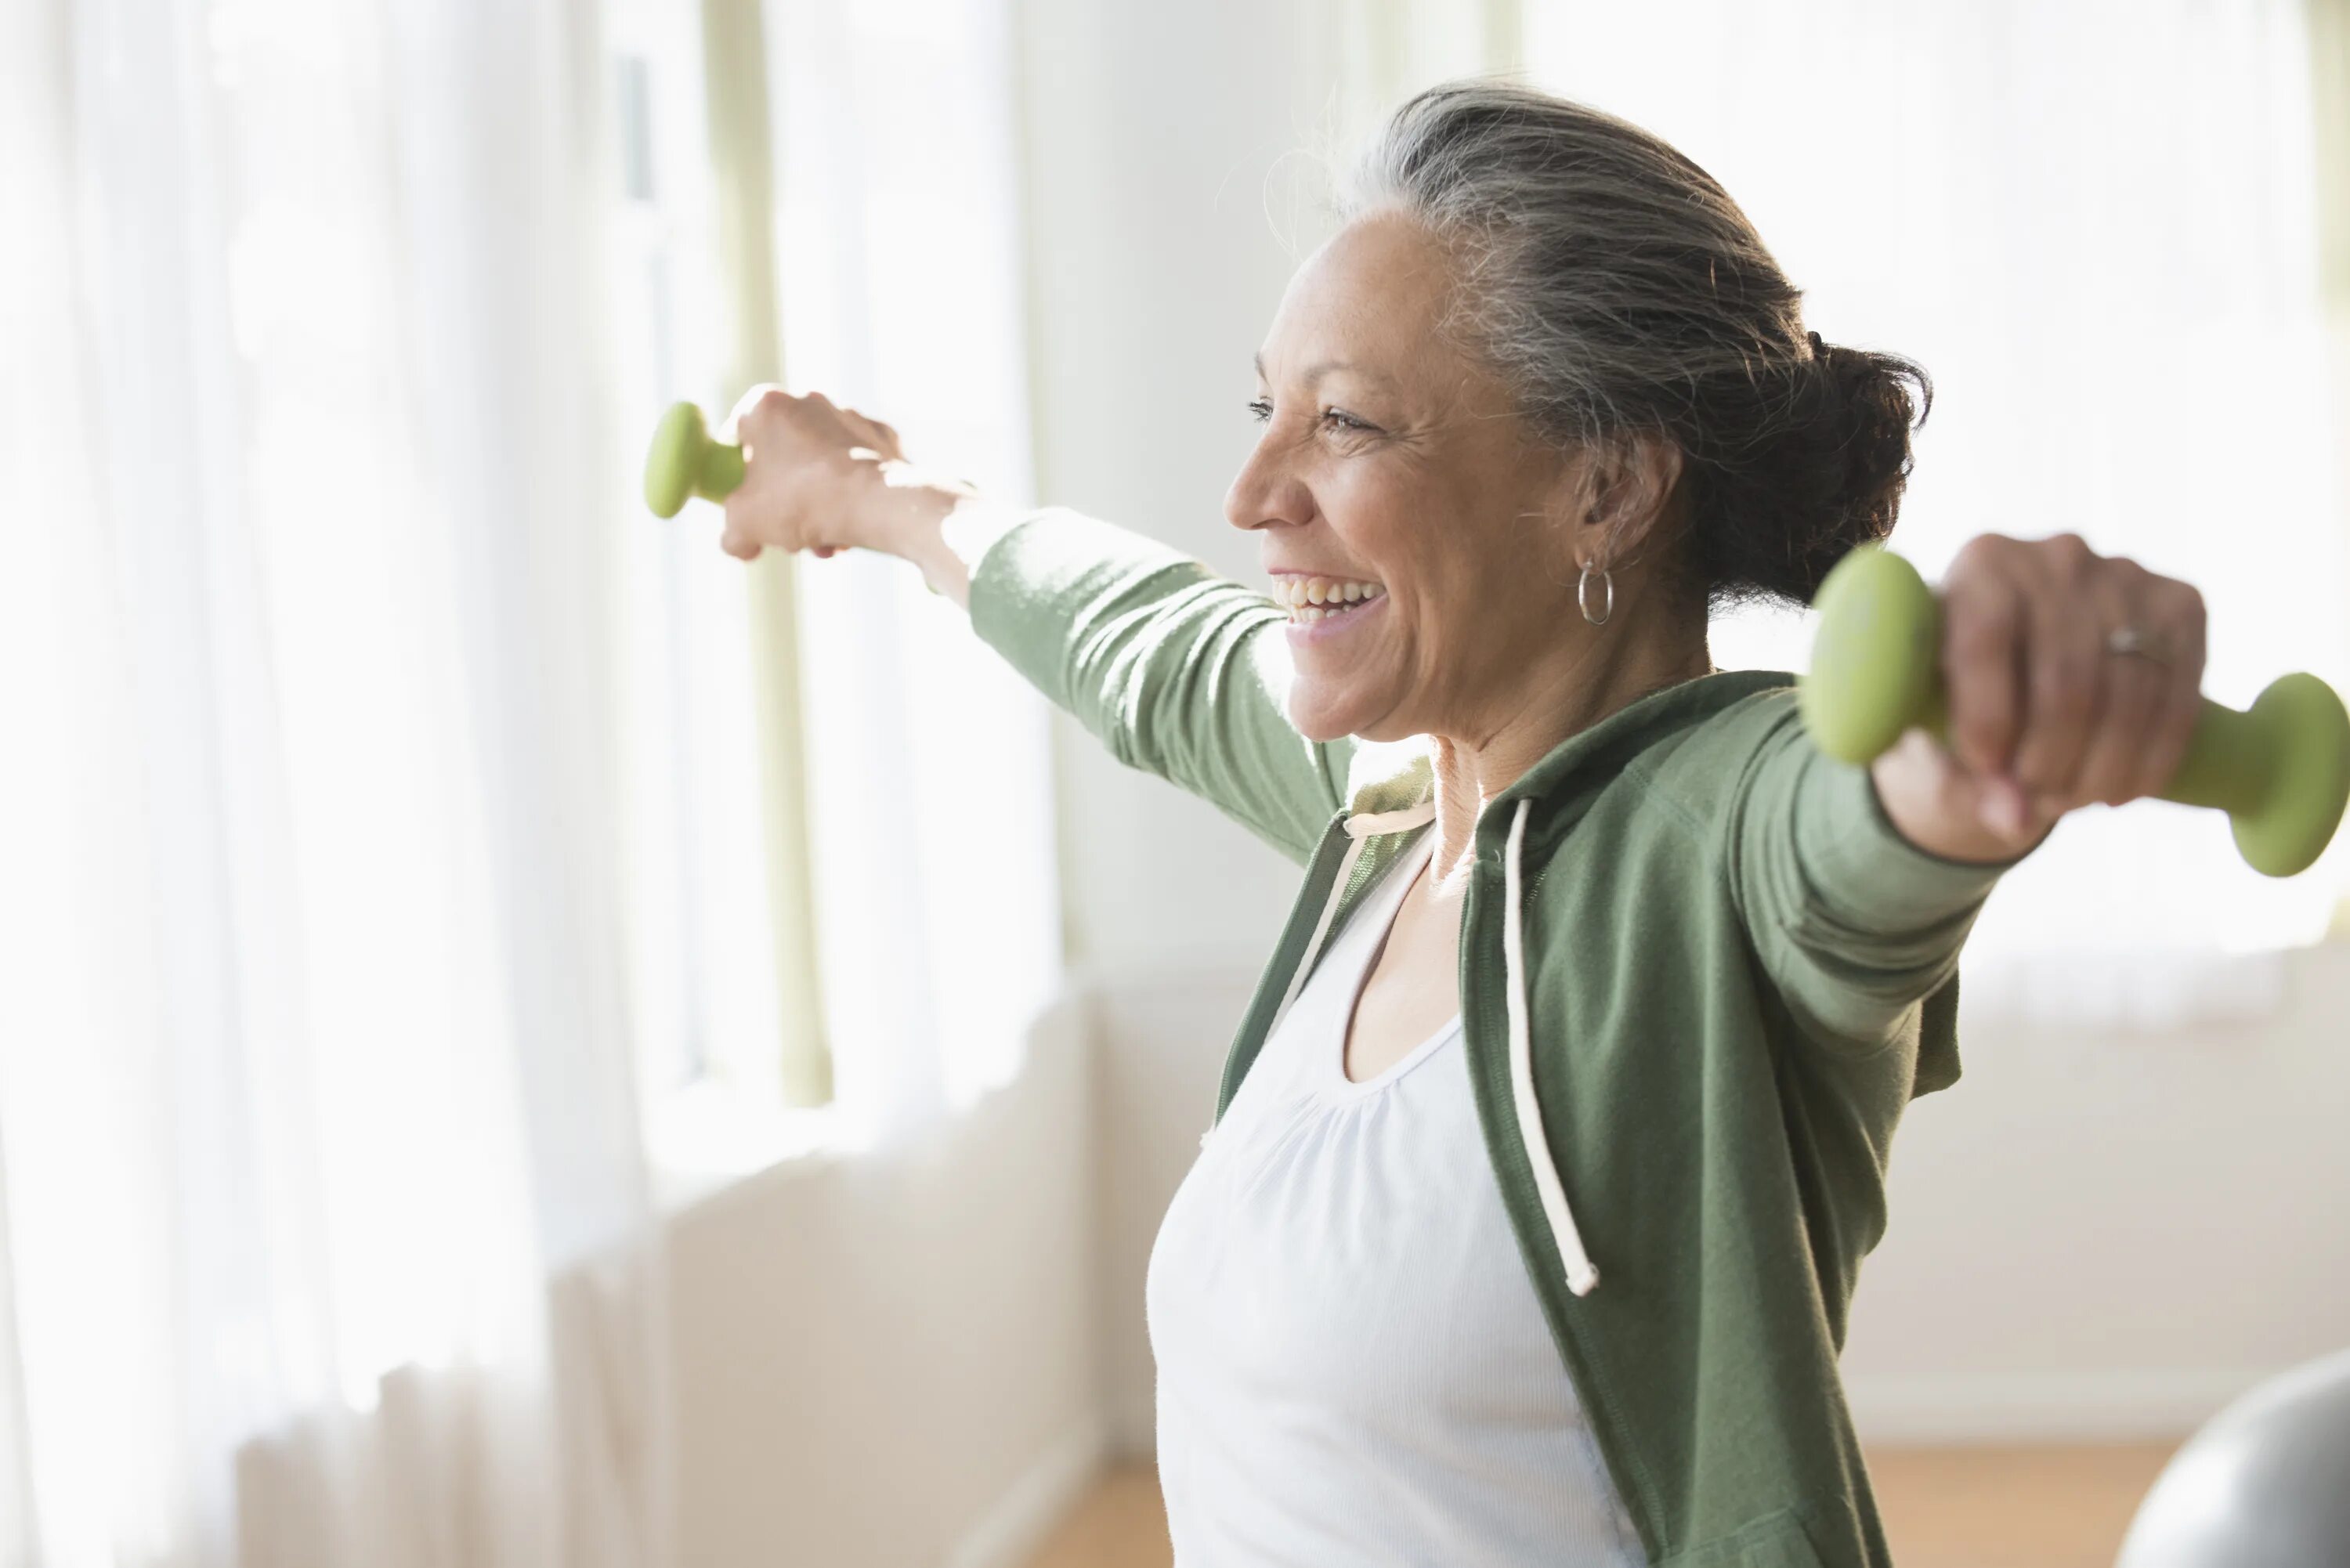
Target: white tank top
[1352, 1367]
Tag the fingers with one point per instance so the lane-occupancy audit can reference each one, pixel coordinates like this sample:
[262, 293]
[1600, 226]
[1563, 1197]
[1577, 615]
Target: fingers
[2042, 712]
[2114, 758]
[760, 406]
[1983, 648]
[2130, 750]
[879, 437]
[2175, 618]
[740, 537]
[2066, 688]
[814, 476]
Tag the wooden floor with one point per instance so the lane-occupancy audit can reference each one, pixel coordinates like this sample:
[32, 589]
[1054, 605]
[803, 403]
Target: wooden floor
[1944, 1508]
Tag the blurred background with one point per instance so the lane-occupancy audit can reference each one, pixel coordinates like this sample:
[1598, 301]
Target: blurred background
[523, 1041]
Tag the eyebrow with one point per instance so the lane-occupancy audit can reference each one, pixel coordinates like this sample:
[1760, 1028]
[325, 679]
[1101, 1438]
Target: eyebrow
[1315, 373]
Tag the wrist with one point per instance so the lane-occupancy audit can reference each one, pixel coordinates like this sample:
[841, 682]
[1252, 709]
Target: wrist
[1937, 809]
[912, 506]
[942, 527]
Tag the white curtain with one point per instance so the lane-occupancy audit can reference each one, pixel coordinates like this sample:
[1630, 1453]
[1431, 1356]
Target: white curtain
[313, 1067]
[931, 792]
[1377, 53]
[928, 779]
[2094, 221]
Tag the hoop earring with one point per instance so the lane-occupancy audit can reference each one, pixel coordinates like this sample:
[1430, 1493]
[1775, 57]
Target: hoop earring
[1582, 595]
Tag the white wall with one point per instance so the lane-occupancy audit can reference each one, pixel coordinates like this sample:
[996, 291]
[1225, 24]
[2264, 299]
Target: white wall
[1152, 131]
[887, 1361]
[2089, 1236]
[2102, 1235]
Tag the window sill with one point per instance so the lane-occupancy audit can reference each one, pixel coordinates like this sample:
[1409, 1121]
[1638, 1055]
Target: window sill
[709, 1136]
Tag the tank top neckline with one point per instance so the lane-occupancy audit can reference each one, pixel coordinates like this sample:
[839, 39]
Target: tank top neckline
[1331, 1058]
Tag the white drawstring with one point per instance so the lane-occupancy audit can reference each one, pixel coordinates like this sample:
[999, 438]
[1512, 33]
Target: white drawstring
[1582, 1276]
[1365, 823]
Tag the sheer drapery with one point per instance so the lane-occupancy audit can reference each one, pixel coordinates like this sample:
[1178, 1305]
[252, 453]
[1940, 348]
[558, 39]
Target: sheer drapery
[313, 1068]
[930, 787]
[928, 778]
[2095, 224]
[2329, 114]
[1377, 53]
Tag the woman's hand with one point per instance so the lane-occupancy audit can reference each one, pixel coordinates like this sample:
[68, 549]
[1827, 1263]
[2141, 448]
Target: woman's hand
[822, 478]
[2072, 678]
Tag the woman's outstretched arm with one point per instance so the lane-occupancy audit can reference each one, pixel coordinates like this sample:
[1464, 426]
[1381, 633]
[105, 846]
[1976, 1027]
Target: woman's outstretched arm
[1176, 670]
[1859, 885]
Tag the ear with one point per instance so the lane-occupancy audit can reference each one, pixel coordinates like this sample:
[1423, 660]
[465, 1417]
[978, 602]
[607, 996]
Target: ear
[1623, 489]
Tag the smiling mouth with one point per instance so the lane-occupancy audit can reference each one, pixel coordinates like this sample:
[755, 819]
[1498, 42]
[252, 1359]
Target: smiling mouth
[1311, 599]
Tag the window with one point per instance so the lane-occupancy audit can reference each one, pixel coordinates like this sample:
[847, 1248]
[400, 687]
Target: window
[908, 801]
[723, 995]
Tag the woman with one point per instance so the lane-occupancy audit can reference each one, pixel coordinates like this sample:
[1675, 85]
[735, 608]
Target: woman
[1548, 1150]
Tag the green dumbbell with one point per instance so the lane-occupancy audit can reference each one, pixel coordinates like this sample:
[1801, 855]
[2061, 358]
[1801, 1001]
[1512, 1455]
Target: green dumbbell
[2280, 771]
[685, 463]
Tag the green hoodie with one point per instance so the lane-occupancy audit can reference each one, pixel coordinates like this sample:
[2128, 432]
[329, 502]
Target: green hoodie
[1701, 977]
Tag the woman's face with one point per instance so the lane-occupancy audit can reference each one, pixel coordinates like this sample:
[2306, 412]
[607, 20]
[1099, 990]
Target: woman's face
[1395, 483]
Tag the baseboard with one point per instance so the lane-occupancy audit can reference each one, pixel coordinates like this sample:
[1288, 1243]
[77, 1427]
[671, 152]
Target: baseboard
[2070, 1407]
[1010, 1533]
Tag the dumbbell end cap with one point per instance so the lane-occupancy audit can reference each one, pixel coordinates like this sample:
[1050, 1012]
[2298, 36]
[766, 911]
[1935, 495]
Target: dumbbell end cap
[675, 459]
[1875, 663]
[2310, 785]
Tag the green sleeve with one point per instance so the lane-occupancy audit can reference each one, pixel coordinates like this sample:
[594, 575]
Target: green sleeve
[1854, 924]
[1179, 673]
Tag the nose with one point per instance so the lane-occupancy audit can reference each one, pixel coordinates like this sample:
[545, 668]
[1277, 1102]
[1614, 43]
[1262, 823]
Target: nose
[1266, 493]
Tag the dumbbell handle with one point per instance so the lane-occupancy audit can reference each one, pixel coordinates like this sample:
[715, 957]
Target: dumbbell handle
[686, 462]
[2280, 771]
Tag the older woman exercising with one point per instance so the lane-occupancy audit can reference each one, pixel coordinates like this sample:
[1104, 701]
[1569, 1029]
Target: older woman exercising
[1548, 1153]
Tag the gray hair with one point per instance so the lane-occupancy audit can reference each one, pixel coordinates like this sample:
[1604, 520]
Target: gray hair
[1619, 292]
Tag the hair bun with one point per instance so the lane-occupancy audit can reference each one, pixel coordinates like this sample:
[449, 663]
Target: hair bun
[1879, 399]
[1826, 474]
[1847, 455]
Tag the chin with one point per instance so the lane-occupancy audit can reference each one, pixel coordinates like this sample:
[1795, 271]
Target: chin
[1322, 718]
[1322, 733]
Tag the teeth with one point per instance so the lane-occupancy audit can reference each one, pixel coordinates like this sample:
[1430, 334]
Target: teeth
[1303, 594]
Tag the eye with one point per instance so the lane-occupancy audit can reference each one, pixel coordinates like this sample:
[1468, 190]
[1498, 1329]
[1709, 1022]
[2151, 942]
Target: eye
[1342, 419]
[1260, 409]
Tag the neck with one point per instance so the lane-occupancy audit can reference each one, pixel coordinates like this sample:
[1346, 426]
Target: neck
[1560, 697]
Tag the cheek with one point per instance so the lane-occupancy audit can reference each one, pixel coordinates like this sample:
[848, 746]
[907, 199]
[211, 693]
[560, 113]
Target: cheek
[1465, 574]
[1474, 609]
[1390, 531]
